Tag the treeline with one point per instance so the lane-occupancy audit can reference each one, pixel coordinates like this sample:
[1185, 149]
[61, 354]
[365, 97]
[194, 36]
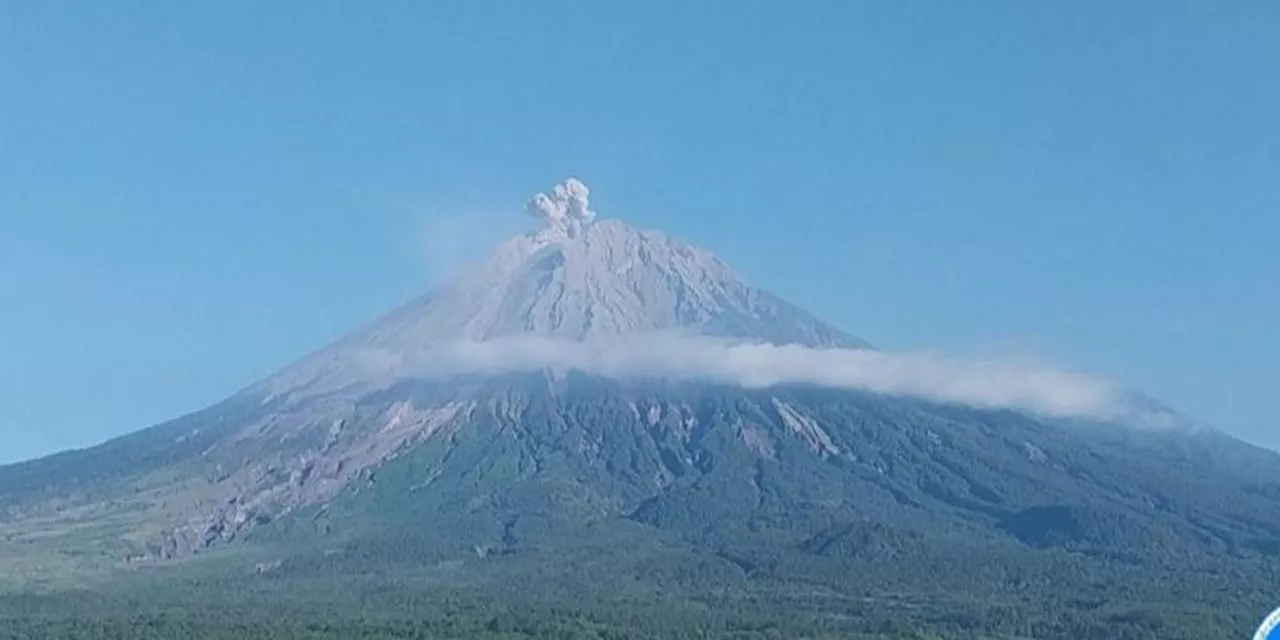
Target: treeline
[498, 627]
[72, 618]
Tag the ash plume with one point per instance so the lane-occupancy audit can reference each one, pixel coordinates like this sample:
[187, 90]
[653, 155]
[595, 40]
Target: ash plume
[567, 204]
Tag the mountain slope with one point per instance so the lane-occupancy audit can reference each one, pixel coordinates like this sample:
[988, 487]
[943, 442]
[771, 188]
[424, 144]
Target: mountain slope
[353, 461]
[729, 466]
[602, 280]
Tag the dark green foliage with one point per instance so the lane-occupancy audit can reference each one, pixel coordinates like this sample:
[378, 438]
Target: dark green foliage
[406, 606]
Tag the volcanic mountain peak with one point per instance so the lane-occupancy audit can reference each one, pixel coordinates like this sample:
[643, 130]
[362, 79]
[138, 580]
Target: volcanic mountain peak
[580, 278]
[606, 278]
[576, 279]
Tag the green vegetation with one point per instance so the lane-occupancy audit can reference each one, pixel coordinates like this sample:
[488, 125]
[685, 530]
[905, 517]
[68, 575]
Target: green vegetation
[407, 607]
[594, 510]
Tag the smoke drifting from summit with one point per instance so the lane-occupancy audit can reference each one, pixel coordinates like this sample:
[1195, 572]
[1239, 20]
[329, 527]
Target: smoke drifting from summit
[568, 202]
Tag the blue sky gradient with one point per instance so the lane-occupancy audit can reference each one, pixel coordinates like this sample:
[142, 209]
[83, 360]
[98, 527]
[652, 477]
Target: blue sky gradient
[194, 194]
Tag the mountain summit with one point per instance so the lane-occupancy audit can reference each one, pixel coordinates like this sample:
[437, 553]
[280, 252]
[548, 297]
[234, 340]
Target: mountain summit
[581, 278]
[578, 279]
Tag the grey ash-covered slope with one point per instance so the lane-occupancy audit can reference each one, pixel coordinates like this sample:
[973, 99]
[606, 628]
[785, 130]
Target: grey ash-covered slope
[592, 280]
[605, 278]
[345, 462]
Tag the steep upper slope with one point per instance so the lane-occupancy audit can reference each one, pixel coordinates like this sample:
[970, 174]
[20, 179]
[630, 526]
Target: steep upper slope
[575, 280]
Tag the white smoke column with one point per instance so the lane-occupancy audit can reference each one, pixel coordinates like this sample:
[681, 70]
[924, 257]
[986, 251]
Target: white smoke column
[568, 205]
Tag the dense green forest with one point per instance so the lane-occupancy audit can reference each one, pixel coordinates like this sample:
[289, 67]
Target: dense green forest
[617, 623]
[410, 605]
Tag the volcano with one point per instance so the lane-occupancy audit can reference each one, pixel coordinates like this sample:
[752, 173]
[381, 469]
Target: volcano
[611, 406]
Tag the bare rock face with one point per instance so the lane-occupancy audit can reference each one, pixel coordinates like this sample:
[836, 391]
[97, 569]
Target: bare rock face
[284, 465]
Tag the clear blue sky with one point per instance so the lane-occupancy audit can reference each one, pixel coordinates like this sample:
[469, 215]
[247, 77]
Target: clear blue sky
[194, 194]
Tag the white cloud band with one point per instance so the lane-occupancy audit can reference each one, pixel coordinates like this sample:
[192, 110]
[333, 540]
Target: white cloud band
[984, 383]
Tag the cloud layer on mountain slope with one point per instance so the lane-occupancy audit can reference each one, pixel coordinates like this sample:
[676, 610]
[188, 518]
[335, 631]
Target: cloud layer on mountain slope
[990, 383]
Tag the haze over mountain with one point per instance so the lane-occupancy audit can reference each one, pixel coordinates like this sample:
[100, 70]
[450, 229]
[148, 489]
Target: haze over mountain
[622, 405]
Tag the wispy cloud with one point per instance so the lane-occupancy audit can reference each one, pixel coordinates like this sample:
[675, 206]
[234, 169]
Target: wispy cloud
[448, 242]
[994, 383]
